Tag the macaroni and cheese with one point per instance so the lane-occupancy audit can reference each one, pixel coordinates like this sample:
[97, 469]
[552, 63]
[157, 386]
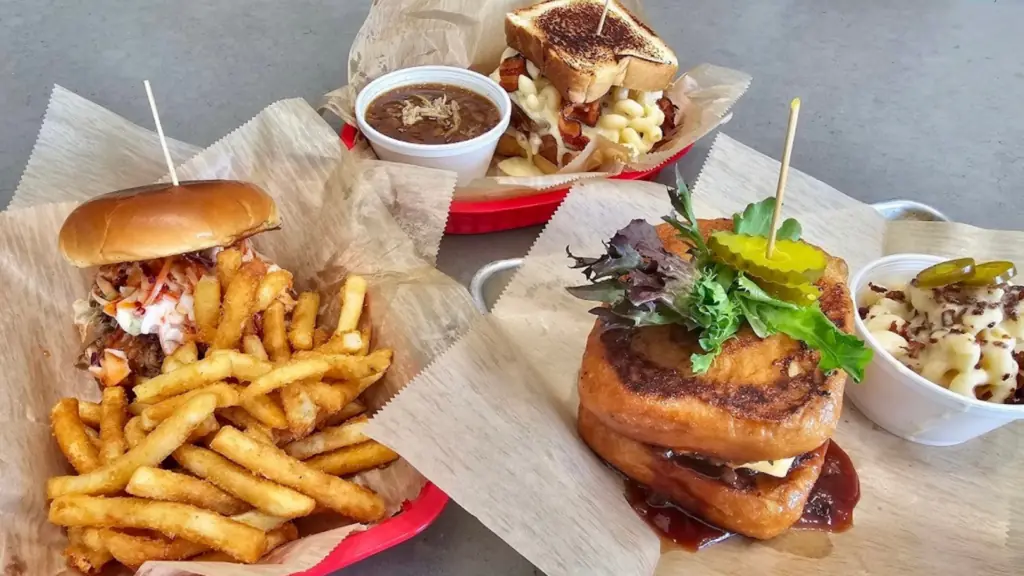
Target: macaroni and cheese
[627, 117]
[967, 339]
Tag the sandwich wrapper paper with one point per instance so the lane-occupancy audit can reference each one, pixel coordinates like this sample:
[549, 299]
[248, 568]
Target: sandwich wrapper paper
[132, 155]
[493, 421]
[470, 34]
[378, 219]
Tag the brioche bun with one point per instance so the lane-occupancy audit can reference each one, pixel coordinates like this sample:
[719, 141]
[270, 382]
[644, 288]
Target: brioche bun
[163, 220]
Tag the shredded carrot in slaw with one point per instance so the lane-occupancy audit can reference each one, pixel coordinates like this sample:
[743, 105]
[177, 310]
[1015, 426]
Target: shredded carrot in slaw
[160, 279]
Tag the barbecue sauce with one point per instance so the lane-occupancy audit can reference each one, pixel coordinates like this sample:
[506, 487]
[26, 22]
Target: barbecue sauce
[829, 508]
[670, 521]
[837, 491]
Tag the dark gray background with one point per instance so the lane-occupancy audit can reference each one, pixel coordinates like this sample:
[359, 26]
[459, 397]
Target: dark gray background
[914, 99]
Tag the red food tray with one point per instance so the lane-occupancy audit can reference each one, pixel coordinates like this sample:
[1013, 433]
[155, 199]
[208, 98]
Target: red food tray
[510, 213]
[413, 519]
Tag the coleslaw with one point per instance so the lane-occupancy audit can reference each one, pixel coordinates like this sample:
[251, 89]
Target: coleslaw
[153, 297]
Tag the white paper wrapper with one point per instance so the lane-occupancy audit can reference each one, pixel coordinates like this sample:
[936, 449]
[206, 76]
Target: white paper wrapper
[470, 34]
[493, 421]
[62, 169]
[336, 221]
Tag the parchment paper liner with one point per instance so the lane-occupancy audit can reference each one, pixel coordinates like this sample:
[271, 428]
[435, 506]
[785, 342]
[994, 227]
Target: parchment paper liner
[133, 156]
[492, 422]
[336, 221]
[470, 34]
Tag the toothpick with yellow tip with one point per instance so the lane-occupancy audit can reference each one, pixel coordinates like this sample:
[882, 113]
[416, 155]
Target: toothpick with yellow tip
[780, 190]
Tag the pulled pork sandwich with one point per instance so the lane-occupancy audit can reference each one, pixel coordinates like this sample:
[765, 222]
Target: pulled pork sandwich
[152, 245]
[570, 85]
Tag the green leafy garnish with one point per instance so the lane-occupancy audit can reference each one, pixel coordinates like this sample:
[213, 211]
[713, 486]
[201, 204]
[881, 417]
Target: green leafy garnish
[640, 283]
[756, 220]
[715, 314]
[810, 326]
[756, 324]
[607, 291]
[749, 290]
[686, 222]
[644, 284]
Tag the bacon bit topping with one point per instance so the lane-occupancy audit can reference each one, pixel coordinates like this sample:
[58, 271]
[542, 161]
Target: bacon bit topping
[572, 133]
[669, 110]
[510, 70]
[548, 149]
[586, 113]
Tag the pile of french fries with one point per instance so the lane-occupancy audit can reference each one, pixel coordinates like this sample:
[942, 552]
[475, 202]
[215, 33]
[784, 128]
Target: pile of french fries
[212, 459]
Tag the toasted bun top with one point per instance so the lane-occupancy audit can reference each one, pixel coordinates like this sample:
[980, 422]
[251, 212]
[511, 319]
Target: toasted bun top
[163, 220]
[560, 37]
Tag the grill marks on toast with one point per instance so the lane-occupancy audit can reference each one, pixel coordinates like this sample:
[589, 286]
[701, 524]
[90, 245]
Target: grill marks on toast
[762, 399]
[572, 29]
[765, 379]
[559, 37]
[764, 389]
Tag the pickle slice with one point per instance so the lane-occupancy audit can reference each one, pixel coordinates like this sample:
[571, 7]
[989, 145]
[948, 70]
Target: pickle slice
[800, 294]
[792, 262]
[991, 273]
[946, 273]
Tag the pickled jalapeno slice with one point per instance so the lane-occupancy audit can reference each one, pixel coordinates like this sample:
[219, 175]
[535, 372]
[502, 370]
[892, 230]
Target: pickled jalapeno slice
[991, 273]
[946, 273]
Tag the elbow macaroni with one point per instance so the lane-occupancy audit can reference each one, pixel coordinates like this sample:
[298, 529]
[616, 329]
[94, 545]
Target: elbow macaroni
[964, 342]
[630, 118]
[637, 118]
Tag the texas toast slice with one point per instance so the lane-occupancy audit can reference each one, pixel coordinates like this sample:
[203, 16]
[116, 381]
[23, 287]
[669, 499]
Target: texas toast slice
[756, 505]
[762, 399]
[560, 38]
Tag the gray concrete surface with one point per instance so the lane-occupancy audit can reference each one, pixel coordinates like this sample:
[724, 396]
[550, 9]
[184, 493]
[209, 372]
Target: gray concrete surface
[915, 99]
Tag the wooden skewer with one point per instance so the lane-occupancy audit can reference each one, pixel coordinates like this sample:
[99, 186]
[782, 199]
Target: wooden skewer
[780, 190]
[600, 25]
[160, 133]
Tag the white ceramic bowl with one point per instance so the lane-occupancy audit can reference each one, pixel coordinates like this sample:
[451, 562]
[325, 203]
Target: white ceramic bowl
[904, 402]
[471, 158]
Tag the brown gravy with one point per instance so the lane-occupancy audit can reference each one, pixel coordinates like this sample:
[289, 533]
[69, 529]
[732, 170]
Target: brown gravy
[432, 114]
[829, 507]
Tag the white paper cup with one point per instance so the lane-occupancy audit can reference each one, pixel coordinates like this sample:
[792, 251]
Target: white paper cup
[470, 159]
[904, 402]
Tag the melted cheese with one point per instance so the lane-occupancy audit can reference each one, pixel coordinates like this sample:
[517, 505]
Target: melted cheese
[962, 338]
[519, 167]
[630, 118]
[777, 468]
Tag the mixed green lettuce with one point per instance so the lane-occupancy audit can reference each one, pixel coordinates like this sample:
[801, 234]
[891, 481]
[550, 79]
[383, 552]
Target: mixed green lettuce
[643, 284]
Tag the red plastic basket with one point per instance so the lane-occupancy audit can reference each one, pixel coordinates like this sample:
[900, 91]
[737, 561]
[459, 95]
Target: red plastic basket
[508, 214]
[414, 518]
